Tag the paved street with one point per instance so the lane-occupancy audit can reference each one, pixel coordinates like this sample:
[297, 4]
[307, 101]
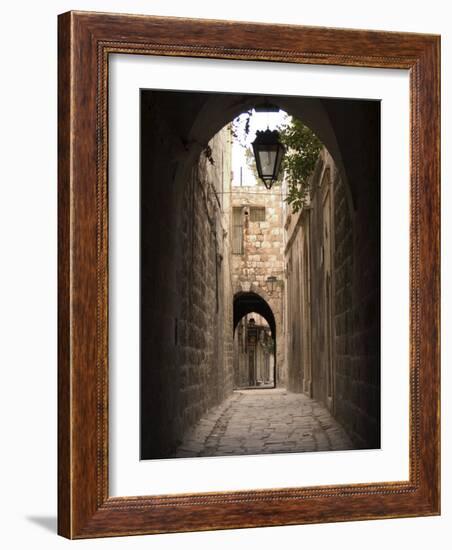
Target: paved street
[264, 421]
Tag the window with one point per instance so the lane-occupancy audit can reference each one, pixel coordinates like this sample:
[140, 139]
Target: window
[237, 231]
[257, 214]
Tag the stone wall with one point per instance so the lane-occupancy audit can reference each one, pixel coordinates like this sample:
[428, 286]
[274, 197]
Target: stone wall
[262, 257]
[205, 349]
[333, 297]
[186, 286]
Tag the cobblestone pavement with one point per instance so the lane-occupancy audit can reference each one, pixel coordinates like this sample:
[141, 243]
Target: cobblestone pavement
[264, 421]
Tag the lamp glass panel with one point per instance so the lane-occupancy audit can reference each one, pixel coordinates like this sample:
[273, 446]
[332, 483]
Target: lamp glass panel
[267, 160]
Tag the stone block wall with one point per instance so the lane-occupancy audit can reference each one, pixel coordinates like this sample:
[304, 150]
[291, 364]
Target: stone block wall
[337, 360]
[205, 347]
[186, 286]
[296, 322]
[357, 320]
[262, 257]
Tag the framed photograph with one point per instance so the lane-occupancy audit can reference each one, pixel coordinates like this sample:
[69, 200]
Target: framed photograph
[248, 275]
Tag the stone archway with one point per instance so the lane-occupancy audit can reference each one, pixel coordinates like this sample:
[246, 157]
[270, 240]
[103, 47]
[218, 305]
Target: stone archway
[248, 302]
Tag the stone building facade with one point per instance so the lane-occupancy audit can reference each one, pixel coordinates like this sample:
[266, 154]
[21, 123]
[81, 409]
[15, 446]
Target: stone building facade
[333, 297]
[258, 254]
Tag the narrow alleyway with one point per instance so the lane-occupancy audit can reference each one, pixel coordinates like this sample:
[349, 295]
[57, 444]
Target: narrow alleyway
[264, 421]
[257, 292]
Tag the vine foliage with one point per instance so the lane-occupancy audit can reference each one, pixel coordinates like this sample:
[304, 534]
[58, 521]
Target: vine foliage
[302, 151]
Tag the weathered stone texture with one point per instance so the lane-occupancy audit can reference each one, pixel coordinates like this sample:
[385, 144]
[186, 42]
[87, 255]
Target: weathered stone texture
[186, 288]
[205, 355]
[262, 257]
[345, 374]
[264, 421]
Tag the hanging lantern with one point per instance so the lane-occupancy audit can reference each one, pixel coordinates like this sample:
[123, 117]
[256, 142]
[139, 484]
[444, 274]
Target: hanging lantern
[268, 152]
[271, 281]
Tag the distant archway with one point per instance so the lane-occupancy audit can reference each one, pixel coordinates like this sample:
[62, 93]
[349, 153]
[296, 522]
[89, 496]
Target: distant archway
[250, 302]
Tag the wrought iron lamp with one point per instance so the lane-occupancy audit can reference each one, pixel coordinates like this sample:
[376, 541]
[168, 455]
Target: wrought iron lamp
[268, 152]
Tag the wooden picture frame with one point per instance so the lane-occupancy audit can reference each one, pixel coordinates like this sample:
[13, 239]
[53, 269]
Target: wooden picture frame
[85, 508]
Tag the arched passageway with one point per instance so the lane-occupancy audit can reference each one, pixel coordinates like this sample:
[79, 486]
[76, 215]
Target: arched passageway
[249, 302]
[254, 355]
